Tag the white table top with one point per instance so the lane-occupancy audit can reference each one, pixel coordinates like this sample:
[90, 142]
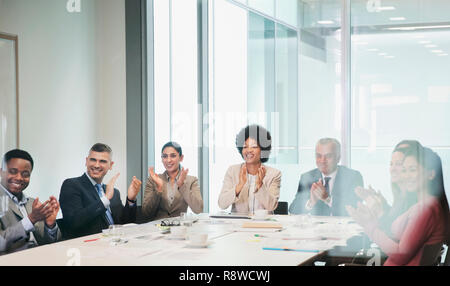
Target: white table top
[228, 245]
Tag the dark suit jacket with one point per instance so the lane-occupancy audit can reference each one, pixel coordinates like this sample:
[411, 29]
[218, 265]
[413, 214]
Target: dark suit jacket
[84, 212]
[343, 193]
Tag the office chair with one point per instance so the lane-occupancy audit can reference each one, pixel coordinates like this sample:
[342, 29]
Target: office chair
[431, 255]
[282, 208]
[140, 218]
[444, 256]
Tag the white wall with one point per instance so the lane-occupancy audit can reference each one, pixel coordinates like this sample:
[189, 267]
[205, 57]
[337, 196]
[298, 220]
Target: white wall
[71, 85]
[111, 88]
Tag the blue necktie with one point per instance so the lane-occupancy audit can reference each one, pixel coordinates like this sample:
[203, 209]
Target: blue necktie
[108, 211]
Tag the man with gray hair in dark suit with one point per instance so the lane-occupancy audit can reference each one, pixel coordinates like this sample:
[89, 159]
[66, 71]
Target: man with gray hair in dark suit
[327, 189]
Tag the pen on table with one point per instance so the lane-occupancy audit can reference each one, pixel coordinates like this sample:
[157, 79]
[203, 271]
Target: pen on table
[260, 235]
[89, 240]
[290, 249]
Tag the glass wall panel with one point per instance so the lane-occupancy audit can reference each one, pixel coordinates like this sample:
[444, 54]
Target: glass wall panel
[228, 84]
[400, 83]
[286, 105]
[264, 6]
[261, 71]
[254, 79]
[162, 78]
[175, 79]
[288, 11]
[184, 81]
[320, 102]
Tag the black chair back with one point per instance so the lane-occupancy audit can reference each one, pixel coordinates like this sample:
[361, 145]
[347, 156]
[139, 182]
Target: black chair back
[282, 208]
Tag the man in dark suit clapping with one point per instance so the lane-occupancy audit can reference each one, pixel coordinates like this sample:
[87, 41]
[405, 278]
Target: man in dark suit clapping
[88, 206]
[327, 189]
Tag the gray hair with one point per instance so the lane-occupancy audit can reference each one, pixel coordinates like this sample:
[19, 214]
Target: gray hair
[337, 145]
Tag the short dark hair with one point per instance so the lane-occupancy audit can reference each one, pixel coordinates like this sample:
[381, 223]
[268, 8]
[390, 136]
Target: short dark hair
[17, 153]
[258, 133]
[174, 145]
[100, 147]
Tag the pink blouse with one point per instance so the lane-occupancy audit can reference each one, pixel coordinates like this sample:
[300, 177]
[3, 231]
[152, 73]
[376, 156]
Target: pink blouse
[421, 225]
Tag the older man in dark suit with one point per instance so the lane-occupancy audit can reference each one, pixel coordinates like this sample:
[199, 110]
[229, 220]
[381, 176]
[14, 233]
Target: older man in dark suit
[88, 206]
[327, 189]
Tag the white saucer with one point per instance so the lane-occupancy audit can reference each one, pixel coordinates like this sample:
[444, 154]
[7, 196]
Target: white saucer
[208, 243]
[176, 237]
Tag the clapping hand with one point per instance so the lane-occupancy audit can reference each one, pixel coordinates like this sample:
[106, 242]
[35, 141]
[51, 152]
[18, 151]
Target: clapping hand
[242, 179]
[362, 214]
[134, 188]
[182, 177]
[50, 220]
[40, 211]
[259, 178]
[319, 190]
[374, 200]
[156, 179]
[109, 193]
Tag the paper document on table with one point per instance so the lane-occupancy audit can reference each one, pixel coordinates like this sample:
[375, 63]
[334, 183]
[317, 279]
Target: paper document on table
[338, 231]
[265, 230]
[269, 224]
[305, 245]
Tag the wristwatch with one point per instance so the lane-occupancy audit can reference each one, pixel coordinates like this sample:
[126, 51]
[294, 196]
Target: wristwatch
[130, 201]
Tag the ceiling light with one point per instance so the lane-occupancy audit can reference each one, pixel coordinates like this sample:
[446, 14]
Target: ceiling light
[397, 18]
[437, 51]
[417, 28]
[430, 46]
[424, 42]
[386, 8]
[372, 50]
[325, 22]
[389, 57]
[382, 54]
[441, 55]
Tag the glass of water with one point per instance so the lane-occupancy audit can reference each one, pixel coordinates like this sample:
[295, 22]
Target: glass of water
[116, 233]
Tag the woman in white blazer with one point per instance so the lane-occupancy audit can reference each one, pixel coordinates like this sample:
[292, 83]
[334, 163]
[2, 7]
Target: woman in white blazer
[251, 185]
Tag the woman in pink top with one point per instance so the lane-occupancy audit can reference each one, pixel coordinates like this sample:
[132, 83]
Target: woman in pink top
[424, 224]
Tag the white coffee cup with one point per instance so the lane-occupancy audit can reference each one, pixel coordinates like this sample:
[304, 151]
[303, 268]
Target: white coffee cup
[303, 220]
[260, 214]
[198, 239]
[179, 231]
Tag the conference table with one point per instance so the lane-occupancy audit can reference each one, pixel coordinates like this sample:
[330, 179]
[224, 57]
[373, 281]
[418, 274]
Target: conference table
[277, 240]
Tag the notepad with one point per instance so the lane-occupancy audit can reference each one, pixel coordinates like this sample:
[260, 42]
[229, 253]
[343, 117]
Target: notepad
[252, 224]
